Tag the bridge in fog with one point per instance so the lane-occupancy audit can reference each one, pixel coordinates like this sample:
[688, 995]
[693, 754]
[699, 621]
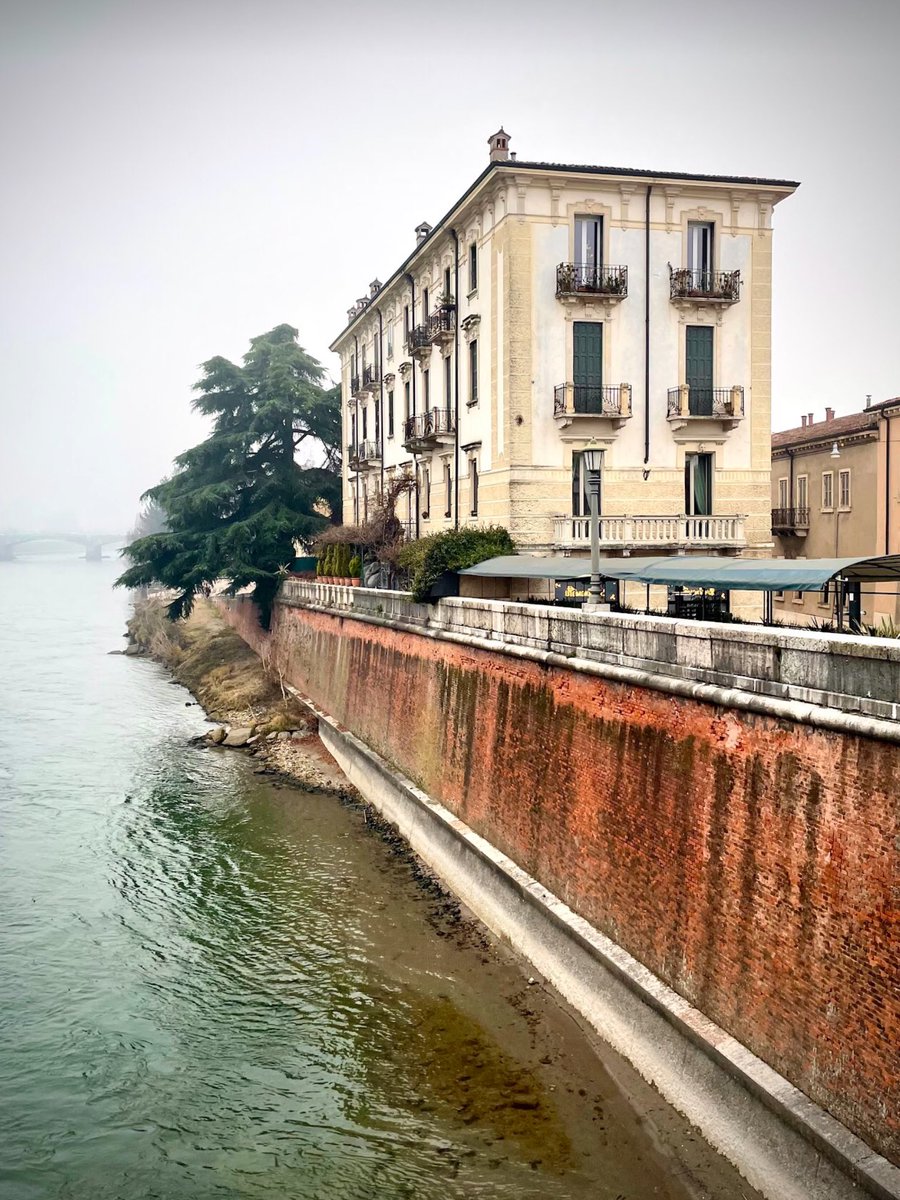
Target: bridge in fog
[93, 543]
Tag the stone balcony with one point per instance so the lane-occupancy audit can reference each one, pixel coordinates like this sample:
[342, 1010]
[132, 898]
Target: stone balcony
[672, 532]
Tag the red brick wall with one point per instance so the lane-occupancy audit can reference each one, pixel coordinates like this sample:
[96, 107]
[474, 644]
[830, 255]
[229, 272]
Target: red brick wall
[746, 861]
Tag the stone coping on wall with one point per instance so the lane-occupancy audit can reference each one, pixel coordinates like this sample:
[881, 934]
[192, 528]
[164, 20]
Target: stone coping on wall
[854, 675]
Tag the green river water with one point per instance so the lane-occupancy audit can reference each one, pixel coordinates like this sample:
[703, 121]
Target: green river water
[211, 987]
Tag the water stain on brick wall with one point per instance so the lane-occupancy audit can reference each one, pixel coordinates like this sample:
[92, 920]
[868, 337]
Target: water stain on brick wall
[748, 862]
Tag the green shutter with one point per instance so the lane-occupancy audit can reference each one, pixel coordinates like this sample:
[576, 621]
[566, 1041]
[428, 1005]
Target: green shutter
[587, 365]
[699, 369]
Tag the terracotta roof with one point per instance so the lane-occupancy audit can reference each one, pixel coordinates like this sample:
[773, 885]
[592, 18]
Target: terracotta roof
[821, 431]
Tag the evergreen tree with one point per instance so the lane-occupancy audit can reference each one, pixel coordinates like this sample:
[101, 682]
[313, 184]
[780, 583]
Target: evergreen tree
[238, 500]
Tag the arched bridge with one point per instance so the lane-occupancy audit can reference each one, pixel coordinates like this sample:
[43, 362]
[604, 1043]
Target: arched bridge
[93, 542]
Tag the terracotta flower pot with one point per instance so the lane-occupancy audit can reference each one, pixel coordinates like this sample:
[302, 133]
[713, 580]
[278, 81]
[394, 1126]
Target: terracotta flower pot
[354, 581]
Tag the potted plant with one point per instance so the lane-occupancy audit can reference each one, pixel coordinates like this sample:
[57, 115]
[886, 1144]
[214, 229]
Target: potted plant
[329, 564]
[355, 569]
[344, 565]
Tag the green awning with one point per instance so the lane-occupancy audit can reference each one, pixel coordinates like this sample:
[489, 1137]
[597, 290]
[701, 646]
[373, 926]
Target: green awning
[729, 574]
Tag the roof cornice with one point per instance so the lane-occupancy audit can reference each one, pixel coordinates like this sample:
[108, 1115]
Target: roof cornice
[513, 166]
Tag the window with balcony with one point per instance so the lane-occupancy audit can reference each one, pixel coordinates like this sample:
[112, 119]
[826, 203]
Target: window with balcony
[828, 490]
[448, 491]
[700, 246]
[698, 369]
[844, 489]
[425, 494]
[406, 403]
[589, 243]
[587, 366]
[448, 382]
[783, 495]
[425, 306]
[426, 389]
[447, 288]
[405, 323]
[365, 421]
[390, 414]
[803, 492]
[377, 423]
[473, 371]
[698, 480]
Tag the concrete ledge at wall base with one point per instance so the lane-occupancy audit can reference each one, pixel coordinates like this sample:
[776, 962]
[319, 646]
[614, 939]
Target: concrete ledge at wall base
[539, 633]
[784, 1145]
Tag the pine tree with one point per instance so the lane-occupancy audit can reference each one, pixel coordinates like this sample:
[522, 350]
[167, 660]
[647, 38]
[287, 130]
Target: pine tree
[238, 500]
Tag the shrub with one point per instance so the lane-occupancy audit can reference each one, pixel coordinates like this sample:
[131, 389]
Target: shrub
[355, 568]
[428, 558]
[320, 566]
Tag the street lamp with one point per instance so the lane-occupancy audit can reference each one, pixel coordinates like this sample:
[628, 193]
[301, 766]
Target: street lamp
[592, 457]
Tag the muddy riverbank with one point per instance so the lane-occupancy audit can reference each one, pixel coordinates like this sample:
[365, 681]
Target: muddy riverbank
[514, 1079]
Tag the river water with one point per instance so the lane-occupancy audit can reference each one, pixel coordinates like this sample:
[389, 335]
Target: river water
[211, 987]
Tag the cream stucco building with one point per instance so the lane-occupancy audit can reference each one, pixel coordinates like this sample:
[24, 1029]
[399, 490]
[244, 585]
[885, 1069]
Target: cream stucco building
[554, 306]
[836, 493]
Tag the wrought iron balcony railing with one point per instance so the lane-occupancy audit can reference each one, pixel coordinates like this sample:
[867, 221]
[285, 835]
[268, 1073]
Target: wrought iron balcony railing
[692, 401]
[418, 340]
[353, 454]
[371, 377]
[787, 520]
[428, 426]
[578, 399]
[442, 323]
[691, 283]
[354, 385]
[573, 279]
[369, 451]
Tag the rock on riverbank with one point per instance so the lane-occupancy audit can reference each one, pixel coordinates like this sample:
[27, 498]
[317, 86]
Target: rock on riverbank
[256, 716]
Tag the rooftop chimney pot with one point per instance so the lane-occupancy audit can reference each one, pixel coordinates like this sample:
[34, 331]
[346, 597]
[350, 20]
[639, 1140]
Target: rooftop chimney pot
[810, 419]
[829, 414]
[803, 421]
[374, 287]
[499, 144]
[422, 232]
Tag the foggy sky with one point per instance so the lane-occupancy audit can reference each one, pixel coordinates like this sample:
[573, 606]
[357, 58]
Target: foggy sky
[179, 177]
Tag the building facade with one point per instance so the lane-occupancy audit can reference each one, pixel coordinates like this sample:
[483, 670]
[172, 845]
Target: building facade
[836, 493]
[555, 307]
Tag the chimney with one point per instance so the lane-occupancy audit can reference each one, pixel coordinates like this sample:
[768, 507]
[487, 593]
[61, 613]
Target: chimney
[829, 414]
[868, 400]
[809, 420]
[422, 232]
[499, 144]
[374, 288]
[803, 421]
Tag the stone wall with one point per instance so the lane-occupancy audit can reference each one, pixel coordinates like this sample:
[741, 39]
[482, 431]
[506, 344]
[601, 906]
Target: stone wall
[748, 860]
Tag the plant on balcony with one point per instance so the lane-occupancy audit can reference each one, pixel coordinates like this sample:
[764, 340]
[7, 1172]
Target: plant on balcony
[445, 300]
[565, 277]
[430, 560]
[355, 569]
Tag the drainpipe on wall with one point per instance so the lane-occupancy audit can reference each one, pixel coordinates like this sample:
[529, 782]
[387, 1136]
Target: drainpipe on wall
[455, 237]
[381, 401]
[887, 484]
[356, 441]
[647, 328]
[412, 325]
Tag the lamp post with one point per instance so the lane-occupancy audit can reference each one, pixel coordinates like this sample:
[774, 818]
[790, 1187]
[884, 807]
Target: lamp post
[592, 457]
